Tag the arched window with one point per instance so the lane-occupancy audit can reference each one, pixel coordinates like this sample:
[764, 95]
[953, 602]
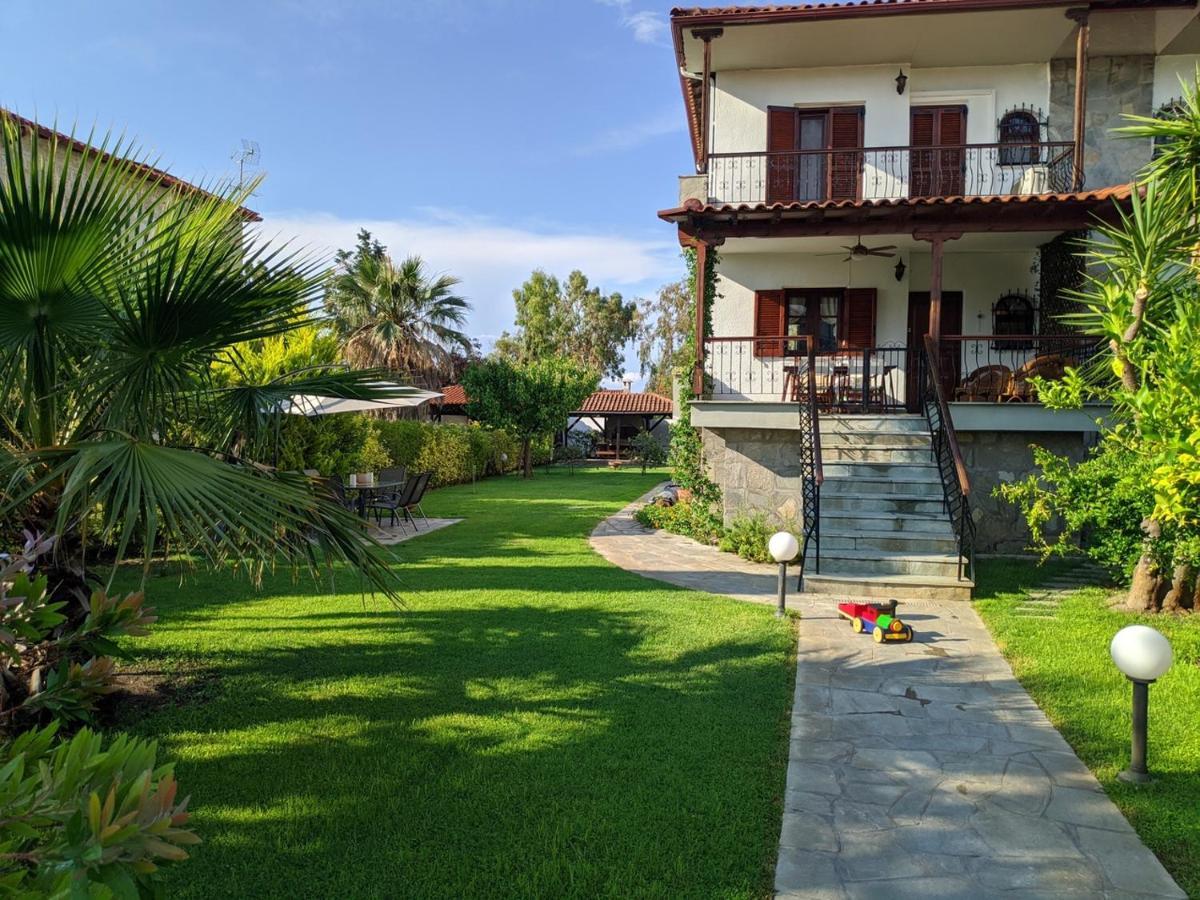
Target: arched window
[1170, 110]
[1013, 314]
[1020, 135]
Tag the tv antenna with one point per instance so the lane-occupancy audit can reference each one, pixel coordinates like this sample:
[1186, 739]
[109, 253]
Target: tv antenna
[246, 158]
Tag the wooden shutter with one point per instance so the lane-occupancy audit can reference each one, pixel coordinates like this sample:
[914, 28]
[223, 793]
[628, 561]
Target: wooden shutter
[952, 131]
[858, 319]
[845, 133]
[770, 320]
[922, 133]
[782, 138]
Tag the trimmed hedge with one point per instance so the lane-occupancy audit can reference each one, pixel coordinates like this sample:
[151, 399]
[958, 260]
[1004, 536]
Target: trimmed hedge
[455, 454]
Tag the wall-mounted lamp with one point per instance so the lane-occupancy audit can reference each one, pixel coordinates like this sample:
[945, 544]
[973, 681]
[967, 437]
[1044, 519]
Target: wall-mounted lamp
[900, 269]
[901, 81]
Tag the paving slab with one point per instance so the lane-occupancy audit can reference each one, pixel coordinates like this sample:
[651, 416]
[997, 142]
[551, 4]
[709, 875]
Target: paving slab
[916, 770]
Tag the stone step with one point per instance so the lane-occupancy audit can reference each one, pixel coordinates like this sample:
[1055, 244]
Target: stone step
[851, 500]
[924, 488]
[886, 524]
[835, 561]
[870, 471]
[885, 454]
[851, 423]
[889, 542]
[883, 587]
[909, 439]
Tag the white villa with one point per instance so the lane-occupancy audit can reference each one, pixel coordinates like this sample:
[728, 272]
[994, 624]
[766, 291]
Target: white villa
[895, 190]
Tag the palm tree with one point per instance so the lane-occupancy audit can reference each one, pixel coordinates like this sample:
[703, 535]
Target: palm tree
[396, 317]
[117, 295]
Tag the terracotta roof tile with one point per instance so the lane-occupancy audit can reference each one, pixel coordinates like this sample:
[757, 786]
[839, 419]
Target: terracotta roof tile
[1117, 192]
[453, 395]
[620, 401]
[166, 179]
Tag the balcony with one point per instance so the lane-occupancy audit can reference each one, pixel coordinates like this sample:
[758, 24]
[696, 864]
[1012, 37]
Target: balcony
[890, 173]
[974, 368]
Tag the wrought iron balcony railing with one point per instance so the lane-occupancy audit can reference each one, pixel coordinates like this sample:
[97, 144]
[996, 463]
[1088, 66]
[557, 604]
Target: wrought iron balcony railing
[891, 173]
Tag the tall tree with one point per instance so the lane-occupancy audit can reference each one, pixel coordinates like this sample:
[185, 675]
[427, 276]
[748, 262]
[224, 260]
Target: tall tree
[665, 323]
[398, 317]
[529, 400]
[574, 319]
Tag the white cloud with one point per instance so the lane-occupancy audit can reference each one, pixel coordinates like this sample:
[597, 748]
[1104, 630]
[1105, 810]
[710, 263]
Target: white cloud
[634, 135]
[647, 27]
[492, 259]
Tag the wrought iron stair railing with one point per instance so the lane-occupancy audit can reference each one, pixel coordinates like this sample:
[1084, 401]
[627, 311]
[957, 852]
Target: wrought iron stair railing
[956, 484]
[811, 470]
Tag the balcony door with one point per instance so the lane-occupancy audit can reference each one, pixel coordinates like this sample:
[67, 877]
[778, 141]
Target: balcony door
[950, 362]
[937, 160]
[813, 154]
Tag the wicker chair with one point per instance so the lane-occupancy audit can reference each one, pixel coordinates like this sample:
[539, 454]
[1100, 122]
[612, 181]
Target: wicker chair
[985, 384]
[1020, 389]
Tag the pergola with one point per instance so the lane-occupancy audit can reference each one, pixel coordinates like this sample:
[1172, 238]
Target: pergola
[644, 410]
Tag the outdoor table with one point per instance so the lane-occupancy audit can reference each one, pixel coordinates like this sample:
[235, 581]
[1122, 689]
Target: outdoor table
[365, 491]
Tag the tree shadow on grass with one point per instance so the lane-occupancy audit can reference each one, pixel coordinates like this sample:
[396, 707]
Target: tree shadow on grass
[465, 752]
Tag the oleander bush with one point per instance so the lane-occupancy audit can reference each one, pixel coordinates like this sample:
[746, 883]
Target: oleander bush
[77, 818]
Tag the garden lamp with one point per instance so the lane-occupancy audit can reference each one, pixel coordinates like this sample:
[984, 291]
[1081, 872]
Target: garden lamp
[1143, 655]
[783, 548]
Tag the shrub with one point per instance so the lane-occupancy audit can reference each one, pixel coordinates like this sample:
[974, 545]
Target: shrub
[1097, 505]
[79, 819]
[747, 536]
[333, 445]
[694, 518]
[455, 454]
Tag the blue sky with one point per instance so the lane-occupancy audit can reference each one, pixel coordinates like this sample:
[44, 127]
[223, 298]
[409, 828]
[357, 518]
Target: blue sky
[489, 136]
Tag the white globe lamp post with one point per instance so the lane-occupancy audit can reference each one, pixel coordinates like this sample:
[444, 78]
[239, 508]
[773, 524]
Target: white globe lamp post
[1143, 655]
[784, 548]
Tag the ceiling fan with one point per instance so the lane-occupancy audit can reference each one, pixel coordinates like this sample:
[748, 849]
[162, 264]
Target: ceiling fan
[862, 251]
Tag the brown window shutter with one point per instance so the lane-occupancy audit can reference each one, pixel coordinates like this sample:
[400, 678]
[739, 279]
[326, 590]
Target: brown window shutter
[770, 320]
[782, 138]
[923, 125]
[858, 316]
[845, 133]
[952, 122]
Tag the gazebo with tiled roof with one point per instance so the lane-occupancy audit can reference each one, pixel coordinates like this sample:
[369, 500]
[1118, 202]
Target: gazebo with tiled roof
[616, 412]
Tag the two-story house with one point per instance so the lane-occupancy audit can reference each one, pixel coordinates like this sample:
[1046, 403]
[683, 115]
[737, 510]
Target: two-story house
[894, 191]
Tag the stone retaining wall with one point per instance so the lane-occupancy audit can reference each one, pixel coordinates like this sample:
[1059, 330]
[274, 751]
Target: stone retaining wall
[758, 470]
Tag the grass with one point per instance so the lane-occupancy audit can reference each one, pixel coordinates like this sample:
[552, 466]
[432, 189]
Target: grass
[535, 722]
[1064, 664]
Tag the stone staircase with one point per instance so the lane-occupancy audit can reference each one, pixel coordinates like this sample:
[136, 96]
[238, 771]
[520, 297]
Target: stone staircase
[884, 528]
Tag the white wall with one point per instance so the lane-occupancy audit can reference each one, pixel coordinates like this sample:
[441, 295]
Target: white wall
[741, 100]
[1168, 70]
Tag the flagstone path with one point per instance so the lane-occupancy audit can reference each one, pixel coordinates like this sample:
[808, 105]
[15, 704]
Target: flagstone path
[916, 770]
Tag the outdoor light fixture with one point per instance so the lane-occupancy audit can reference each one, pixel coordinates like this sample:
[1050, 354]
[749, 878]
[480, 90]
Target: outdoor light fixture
[901, 81]
[1143, 655]
[901, 268]
[783, 548]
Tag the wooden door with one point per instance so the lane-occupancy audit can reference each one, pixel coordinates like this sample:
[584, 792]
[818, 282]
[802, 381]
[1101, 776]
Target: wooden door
[814, 154]
[937, 160]
[949, 362]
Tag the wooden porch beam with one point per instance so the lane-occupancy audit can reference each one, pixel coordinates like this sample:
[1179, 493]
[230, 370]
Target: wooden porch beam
[937, 241]
[706, 35]
[701, 268]
[1080, 17]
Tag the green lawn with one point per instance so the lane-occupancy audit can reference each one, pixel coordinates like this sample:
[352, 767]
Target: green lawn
[1064, 663]
[535, 722]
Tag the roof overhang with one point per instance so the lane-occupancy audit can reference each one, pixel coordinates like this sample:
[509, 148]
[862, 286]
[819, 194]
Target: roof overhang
[1034, 212]
[152, 173]
[917, 33]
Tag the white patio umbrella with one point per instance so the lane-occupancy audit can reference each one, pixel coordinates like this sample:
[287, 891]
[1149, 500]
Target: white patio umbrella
[316, 405]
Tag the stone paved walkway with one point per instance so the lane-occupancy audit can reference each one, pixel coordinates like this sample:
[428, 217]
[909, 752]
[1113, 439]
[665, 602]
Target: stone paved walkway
[398, 534]
[917, 770]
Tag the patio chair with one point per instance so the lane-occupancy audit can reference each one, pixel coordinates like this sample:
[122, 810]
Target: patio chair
[1020, 389]
[393, 474]
[337, 489]
[404, 501]
[986, 384]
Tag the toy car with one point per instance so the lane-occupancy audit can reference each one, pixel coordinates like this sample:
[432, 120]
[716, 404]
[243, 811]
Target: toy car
[876, 621]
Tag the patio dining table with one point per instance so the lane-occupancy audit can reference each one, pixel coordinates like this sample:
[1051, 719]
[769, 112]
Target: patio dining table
[364, 492]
